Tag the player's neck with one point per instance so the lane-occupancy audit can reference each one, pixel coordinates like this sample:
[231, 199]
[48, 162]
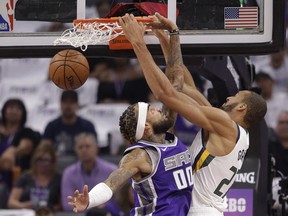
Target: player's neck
[238, 118]
[242, 124]
[159, 138]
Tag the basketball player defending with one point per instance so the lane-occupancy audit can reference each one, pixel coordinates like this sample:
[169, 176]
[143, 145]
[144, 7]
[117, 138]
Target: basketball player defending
[219, 148]
[158, 164]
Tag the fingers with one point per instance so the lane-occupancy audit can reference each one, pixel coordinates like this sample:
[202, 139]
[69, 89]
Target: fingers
[156, 25]
[126, 19]
[162, 19]
[159, 22]
[76, 193]
[129, 23]
[169, 25]
[70, 198]
[85, 190]
[71, 204]
[121, 22]
[159, 16]
[142, 26]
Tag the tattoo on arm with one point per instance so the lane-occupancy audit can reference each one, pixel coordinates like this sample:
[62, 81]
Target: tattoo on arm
[129, 167]
[174, 70]
[119, 178]
[176, 54]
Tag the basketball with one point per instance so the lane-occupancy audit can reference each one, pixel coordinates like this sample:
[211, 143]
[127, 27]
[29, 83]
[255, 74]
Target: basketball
[69, 69]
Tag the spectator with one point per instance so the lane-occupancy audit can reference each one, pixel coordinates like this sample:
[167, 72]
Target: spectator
[276, 100]
[103, 8]
[4, 193]
[17, 142]
[101, 68]
[89, 169]
[123, 84]
[61, 131]
[39, 186]
[2, 128]
[51, 94]
[278, 145]
[44, 211]
[276, 63]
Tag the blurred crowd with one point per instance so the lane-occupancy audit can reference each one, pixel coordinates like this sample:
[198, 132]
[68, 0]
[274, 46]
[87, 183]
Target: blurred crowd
[79, 141]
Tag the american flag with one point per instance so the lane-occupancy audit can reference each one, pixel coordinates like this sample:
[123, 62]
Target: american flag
[240, 17]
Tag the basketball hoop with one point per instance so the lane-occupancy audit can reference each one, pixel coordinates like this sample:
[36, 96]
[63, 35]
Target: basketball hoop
[97, 32]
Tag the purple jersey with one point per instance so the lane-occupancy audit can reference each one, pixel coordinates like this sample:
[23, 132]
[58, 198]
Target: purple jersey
[167, 190]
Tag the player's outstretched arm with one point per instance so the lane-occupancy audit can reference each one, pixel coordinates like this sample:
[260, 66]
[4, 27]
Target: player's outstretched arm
[172, 51]
[209, 118]
[173, 60]
[155, 78]
[133, 163]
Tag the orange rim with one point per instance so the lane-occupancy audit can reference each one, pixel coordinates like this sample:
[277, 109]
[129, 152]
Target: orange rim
[111, 19]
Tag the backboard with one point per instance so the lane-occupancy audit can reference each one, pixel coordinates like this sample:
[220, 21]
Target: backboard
[207, 27]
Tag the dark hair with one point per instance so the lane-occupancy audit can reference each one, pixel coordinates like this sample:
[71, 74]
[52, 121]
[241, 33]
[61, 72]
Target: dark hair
[128, 123]
[256, 108]
[12, 102]
[70, 95]
[43, 209]
[263, 74]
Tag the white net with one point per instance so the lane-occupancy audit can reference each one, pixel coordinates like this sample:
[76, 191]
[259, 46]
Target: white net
[83, 34]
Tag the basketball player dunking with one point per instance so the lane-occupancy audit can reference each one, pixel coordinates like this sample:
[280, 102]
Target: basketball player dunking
[219, 148]
[157, 163]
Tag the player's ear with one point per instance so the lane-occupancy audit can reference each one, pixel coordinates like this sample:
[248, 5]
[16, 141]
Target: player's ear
[242, 106]
[148, 129]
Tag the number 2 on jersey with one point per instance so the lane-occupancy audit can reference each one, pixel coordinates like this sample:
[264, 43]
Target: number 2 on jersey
[225, 181]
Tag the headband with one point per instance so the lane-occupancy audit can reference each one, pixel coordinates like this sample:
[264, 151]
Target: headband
[142, 113]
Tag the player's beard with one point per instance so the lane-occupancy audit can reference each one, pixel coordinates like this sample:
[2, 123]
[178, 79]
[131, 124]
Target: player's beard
[228, 108]
[162, 126]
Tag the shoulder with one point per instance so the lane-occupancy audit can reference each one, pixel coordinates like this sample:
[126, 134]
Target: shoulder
[54, 122]
[26, 131]
[26, 175]
[140, 147]
[71, 170]
[84, 122]
[138, 160]
[134, 154]
[25, 178]
[137, 150]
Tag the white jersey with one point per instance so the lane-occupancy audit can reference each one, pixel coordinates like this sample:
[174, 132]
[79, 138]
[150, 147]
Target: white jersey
[214, 175]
